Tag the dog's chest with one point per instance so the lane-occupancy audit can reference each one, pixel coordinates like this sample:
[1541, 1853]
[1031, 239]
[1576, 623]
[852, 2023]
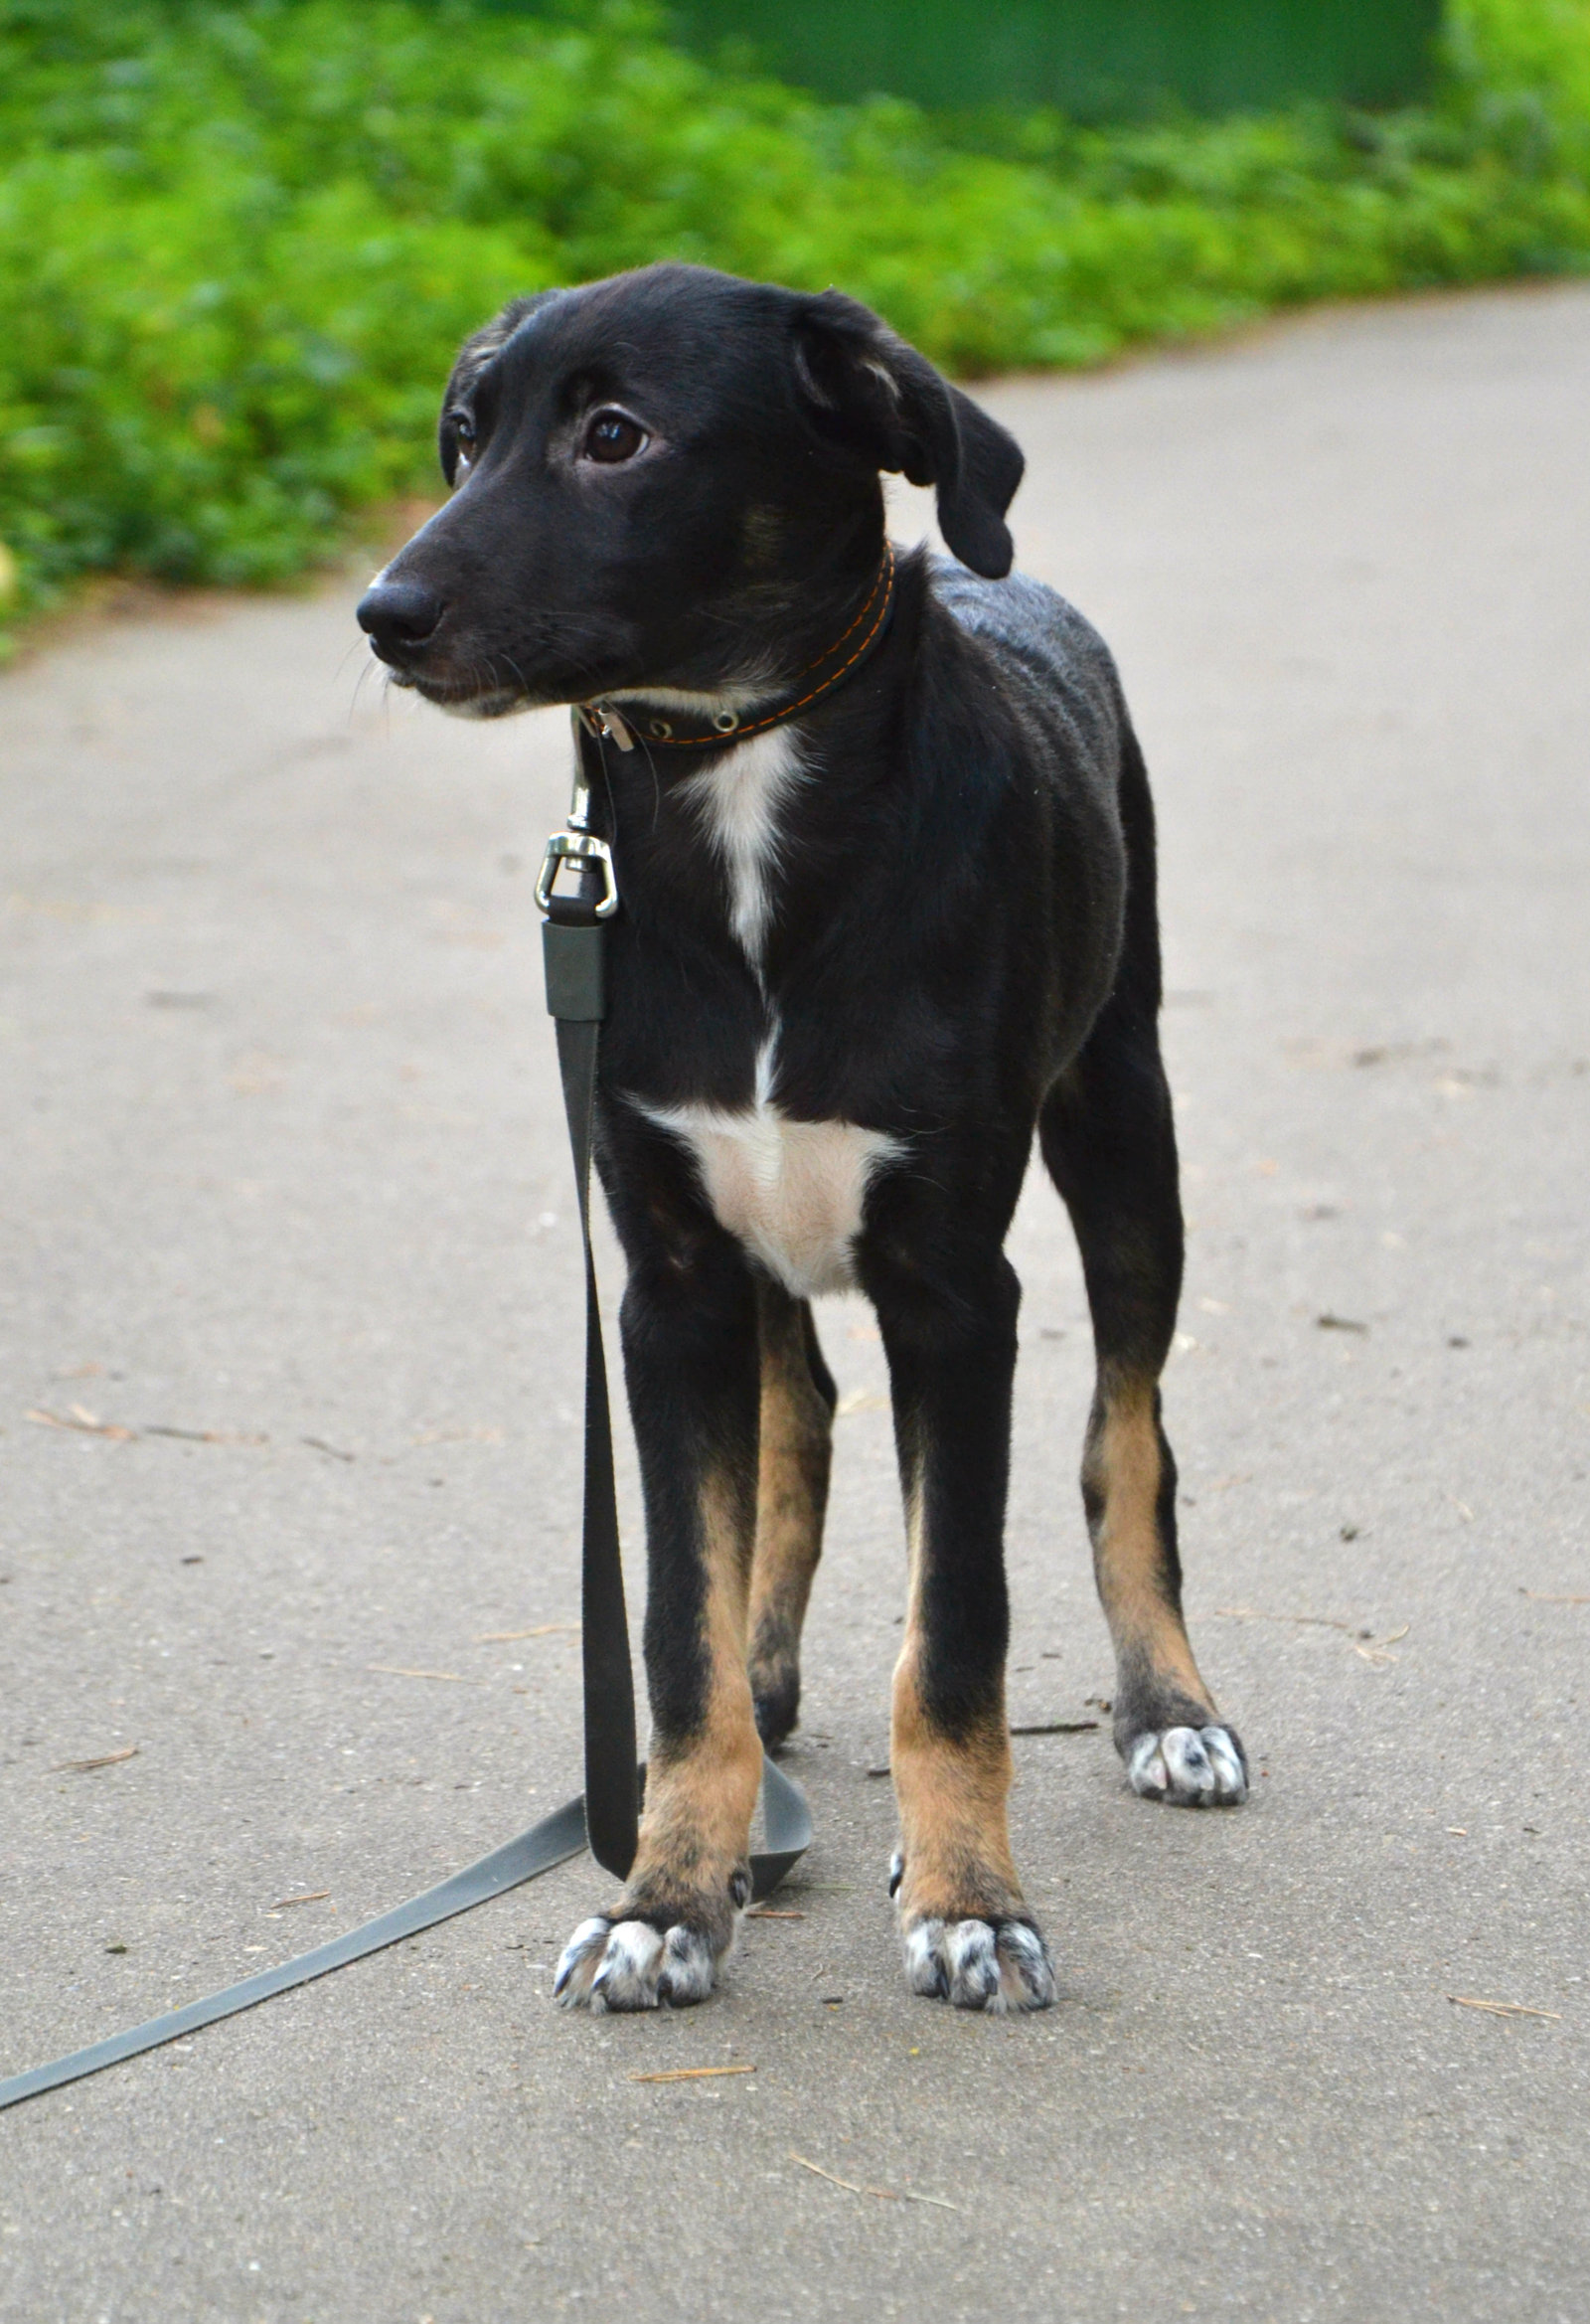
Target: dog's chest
[791, 1192]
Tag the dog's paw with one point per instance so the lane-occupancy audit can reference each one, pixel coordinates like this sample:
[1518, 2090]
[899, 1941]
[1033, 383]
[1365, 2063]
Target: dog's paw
[629, 1965]
[979, 1964]
[1188, 1766]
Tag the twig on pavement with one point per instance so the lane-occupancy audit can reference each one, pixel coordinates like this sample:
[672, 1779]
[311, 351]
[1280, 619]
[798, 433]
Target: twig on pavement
[1503, 2009]
[1375, 1650]
[692, 2073]
[883, 2193]
[508, 1638]
[205, 1435]
[1371, 1649]
[86, 1424]
[105, 1759]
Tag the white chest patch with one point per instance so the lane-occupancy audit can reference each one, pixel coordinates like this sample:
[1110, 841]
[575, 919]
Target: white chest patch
[739, 796]
[790, 1191]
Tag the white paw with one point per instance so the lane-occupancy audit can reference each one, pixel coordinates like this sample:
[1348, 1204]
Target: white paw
[628, 1964]
[977, 1967]
[1188, 1766]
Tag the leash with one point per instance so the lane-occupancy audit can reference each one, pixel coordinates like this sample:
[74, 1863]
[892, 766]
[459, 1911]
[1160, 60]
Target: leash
[574, 957]
[607, 1816]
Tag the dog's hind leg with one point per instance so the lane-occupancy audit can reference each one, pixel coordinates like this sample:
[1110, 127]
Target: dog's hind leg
[949, 1329]
[691, 1361]
[1109, 1141]
[795, 1454]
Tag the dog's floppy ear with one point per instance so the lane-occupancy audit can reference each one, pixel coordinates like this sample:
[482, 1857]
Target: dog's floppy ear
[472, 359]
[862, 385]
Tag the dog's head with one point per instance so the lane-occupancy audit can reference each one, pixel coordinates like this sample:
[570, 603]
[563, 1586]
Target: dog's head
[670, 479]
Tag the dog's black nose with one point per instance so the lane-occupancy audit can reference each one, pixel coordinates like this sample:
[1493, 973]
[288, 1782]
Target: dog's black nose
[398, 615]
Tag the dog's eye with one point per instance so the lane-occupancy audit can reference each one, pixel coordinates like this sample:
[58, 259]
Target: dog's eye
[613, 437]
[463, 430]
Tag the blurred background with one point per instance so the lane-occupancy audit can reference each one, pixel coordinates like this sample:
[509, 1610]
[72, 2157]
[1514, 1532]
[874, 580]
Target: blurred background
[239, 244]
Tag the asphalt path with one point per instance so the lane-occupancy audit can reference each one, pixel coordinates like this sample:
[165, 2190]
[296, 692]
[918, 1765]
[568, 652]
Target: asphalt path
[288, 1399]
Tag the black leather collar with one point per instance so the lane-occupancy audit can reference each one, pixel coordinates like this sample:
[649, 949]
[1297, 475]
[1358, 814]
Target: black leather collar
[662, 727]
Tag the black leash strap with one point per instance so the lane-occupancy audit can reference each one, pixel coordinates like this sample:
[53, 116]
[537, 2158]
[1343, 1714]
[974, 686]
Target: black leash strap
[538, 1850]
[578, 894]
[606, 1817]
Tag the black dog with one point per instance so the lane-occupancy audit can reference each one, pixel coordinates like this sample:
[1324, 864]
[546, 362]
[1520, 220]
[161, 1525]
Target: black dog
[885, 852]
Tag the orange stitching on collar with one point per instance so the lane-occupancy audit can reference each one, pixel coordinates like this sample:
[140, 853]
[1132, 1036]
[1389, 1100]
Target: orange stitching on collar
[775, 717]
[881, 580]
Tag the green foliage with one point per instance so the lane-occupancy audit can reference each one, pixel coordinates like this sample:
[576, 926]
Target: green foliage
[237, 244]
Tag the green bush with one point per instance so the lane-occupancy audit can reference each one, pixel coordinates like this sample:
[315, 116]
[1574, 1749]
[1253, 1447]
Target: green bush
[237, 244]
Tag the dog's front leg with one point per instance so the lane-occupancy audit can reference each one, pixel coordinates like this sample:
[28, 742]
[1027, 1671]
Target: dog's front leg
[949, 1330]
[796, 1455]
[692, 1368]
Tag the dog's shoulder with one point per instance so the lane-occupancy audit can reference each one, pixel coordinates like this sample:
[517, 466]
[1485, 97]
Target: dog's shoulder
[1016, 660]
[1038, 641]
[1018, 611]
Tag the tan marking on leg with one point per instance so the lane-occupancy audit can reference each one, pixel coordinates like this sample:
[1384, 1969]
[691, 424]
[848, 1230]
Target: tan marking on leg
[791, 1495]
[951, 1791]
[1122, 1472]
[700, 1794]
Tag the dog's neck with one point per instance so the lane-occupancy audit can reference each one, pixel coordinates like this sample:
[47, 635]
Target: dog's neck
[679, 719]
[751, 845]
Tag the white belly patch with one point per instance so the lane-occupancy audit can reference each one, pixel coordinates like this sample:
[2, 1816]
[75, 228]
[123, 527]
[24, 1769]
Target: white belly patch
[790, 1191]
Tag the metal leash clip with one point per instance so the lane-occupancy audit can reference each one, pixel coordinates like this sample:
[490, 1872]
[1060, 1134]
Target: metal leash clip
[577, 843]
[582, 848]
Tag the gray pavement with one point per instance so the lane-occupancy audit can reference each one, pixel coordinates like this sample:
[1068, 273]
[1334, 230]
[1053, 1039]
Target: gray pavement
[284, 1169]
